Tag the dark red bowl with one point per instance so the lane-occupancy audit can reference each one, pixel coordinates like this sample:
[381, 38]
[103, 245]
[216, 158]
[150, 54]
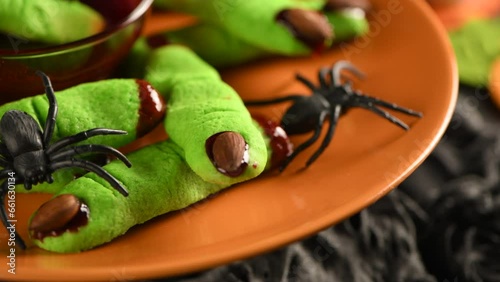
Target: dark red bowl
[69, 64]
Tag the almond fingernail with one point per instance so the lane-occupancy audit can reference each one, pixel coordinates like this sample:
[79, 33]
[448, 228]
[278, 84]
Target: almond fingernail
[55, 213]
[311, 27]
[228, 152]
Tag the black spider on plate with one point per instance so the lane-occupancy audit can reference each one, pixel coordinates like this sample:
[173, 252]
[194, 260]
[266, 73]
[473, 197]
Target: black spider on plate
[328, 101]
[28, 157]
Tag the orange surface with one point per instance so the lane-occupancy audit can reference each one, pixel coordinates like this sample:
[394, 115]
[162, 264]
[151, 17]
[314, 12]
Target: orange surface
[407, 60]
[455, 15]
[494, 84]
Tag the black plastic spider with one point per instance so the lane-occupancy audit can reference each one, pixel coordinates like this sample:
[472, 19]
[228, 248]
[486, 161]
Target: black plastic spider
[328, 101]
[27, 156]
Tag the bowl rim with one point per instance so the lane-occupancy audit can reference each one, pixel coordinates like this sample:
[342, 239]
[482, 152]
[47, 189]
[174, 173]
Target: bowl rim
[138, 12]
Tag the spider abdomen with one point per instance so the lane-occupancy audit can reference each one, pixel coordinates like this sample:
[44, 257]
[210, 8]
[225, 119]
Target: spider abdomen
[304, 115]
[20, 133]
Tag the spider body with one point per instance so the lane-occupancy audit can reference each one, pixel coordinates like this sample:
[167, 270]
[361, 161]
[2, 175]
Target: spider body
[329, 100]
[28, 156]
[303, 115]
[22, 138]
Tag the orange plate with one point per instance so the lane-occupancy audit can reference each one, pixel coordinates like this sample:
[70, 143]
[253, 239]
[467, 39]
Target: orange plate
[407, 59]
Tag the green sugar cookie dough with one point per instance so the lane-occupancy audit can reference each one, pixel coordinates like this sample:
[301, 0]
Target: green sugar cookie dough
[200, 105]
[254, 22]
[234, 33]
[158, 182]
[87, 106]
[49, 21]
[172, 65]
[84, 107]
[214, 45]
[219, 48]
[221, 38]
[347, 24]
[202, 118]
[476, 45]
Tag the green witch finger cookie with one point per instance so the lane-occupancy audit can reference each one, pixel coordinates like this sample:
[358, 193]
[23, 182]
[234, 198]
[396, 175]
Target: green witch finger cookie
[216, 44]
[159, 182]
[219, 48]
[200, 106]
[49, 21]
[283, 27]
[257, 22]
[94, 105]
[88, 213]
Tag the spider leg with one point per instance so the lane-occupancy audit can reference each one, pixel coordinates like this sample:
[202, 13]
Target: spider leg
[50, 122]
[309, 142]
[5, 152]
[90, 148]
[334, 118]
[384, 114]
[273, 101]
[322, 77]
[4, 173]
[4, 162]
[305, 81]
[48, 178]
[81, 137]
[92, 167]
[4, 215]
[392, 106]
[341, 65]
